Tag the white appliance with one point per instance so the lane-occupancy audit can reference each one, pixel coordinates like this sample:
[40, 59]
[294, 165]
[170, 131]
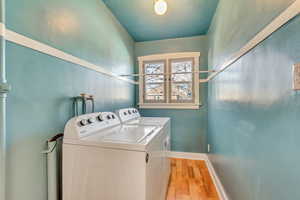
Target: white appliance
[131, 116]
[105, 160]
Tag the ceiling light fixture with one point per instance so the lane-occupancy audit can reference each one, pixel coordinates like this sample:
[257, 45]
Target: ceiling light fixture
[160, 7]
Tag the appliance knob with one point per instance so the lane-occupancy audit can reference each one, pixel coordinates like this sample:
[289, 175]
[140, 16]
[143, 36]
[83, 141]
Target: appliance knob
[129, 112]
[91, 120]
[112, 116]
[83, 122]
[100, 118]
[125, 113]
[108, 117]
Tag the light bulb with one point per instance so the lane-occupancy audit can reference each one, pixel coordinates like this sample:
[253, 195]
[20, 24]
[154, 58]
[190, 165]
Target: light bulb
[160, 7]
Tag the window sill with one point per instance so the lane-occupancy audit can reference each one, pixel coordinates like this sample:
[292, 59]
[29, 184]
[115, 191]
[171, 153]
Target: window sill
[170, 106]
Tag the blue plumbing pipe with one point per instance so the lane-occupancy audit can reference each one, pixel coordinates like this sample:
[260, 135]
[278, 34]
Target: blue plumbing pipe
[4, 89]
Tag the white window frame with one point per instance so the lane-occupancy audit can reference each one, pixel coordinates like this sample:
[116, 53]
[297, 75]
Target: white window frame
[168, 57]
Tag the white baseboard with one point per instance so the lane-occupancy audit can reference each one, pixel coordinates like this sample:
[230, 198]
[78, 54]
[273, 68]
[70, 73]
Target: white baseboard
[187, 155]
[220, 189]
[203, 156]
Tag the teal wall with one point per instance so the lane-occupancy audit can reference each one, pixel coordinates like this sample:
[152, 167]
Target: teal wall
[253, 111]
[39, 104]
[86, 29]
[236, 22]
[189, 127]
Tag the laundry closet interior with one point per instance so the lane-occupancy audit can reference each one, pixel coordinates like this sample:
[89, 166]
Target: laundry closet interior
[149, 100]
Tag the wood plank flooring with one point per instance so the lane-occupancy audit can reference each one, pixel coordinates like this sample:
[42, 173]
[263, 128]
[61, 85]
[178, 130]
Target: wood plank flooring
[190, 180]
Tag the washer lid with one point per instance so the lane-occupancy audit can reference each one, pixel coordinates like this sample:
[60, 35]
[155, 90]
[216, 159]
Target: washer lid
[124, 134]
[125, 137]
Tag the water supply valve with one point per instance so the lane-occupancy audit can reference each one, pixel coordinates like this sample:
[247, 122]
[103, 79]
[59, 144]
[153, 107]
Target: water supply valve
[4, 88]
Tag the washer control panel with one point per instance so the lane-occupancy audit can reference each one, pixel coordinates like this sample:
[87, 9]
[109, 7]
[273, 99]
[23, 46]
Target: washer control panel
[84, 125]
[128, 114]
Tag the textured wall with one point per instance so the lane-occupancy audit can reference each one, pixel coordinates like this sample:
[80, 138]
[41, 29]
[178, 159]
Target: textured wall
[189, 127]
[39, 104]
[253, 111]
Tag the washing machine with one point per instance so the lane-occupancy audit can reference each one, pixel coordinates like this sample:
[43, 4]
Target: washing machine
[131, 116]
[104, 159]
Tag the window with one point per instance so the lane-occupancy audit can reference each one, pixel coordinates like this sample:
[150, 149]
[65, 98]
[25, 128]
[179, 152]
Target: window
[154, 81]
[169, 81]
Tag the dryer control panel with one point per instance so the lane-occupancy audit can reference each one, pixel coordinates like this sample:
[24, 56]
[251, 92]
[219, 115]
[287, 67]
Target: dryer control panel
[84, 125]
[127, 114]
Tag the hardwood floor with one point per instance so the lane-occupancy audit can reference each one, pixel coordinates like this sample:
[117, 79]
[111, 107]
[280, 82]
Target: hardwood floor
[190, 180]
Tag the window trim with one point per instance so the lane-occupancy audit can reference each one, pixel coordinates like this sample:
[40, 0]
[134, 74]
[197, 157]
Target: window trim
[167, 58]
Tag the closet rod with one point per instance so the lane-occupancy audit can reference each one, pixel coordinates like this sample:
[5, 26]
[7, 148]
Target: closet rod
[196, 72]
[288, 14]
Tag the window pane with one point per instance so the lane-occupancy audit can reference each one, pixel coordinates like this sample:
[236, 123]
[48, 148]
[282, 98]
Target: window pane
[154, 68]
[182, 66]
[154, 92]
[181, 92]
[182, 77]
[154, 79]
